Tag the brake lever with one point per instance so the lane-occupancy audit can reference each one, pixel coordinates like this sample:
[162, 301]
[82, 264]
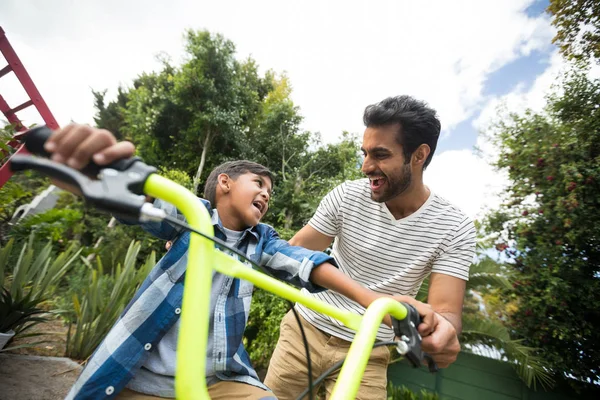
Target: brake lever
[409, 344]
[117, 192]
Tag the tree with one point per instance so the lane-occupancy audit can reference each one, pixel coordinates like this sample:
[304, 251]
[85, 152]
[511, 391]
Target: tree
[549, 226]
[178, 115]
[110, 117]
[578, 24]
[305, 170]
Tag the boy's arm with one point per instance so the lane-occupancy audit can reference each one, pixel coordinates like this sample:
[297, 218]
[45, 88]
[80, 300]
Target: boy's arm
[328, 276]
[316, 271]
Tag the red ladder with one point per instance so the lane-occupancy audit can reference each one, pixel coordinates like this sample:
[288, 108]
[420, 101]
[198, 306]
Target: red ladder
[35, 99]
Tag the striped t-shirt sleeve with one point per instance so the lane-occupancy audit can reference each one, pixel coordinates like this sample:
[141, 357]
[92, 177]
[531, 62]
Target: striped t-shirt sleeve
[327, 218]
[458, 255]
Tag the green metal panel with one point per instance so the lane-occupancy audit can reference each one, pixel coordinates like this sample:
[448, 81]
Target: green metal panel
[474, 377]
[497, 381]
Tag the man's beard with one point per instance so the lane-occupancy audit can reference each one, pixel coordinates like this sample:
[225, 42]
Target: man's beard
[395, 186]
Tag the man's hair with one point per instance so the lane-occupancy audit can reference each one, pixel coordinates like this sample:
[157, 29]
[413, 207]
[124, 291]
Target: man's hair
[419, 123]
[233, 169]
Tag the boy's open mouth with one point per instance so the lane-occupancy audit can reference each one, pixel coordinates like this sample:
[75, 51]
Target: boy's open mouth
[259, 205]
[376, 182]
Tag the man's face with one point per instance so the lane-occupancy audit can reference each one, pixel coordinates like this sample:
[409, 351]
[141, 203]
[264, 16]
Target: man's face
[250, 194]
[384, 163]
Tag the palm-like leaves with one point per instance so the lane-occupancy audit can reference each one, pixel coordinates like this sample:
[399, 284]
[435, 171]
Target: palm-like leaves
[33, 280]
[479, 331]
[15, 315]
[488, 331]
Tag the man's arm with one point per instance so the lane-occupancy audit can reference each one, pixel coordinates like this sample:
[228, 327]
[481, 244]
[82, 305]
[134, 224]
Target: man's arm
[445, 296]
[309, 238]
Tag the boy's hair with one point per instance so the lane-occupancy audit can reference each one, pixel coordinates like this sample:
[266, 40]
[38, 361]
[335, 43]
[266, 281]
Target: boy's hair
[233, 169]
[419, 123]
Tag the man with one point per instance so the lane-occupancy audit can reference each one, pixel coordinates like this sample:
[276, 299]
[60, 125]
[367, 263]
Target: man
[389, 233]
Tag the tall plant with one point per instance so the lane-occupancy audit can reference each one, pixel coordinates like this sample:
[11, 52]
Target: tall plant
[97, 307]
[33, 280]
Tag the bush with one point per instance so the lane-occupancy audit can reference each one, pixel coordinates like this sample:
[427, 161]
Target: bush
[54, 225]
[262, 332]
[404, 393]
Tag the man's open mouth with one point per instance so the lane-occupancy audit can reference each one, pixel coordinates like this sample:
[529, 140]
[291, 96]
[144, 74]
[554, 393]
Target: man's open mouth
[376, 182]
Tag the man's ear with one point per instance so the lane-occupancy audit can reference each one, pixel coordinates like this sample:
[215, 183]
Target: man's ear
[420, 155]
[223, 182]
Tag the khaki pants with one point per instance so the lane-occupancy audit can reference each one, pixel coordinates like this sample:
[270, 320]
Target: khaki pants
[287, 375]
[224, 390]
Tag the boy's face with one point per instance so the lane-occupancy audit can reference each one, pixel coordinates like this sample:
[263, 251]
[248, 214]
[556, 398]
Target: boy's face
[249, 196]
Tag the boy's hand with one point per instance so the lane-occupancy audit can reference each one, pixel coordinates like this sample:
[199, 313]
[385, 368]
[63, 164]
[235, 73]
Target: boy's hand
[77, 145]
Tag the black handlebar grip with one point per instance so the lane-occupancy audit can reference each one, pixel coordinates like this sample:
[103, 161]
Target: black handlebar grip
[36, 138]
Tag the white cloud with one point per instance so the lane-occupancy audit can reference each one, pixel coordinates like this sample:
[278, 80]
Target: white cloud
[465, 180]
[340, 55]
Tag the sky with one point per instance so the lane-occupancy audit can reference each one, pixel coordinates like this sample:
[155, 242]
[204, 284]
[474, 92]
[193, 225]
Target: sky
[465, 58]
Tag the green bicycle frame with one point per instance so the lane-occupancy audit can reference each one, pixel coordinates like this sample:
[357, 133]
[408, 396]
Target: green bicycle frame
[190, 382]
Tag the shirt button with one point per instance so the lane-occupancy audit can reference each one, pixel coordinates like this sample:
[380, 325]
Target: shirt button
[147, 346]
[109, 390]
[178, 311]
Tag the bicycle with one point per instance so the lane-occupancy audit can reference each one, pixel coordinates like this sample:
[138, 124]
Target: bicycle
[121, 189]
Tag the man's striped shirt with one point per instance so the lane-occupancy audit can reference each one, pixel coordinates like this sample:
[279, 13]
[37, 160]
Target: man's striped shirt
[388, 255]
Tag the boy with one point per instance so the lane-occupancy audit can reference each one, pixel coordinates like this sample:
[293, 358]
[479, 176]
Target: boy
[138, 354]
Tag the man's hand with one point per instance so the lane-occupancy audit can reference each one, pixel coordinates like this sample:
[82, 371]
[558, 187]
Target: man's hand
[77, 145]
[440, 340]
[442, 343]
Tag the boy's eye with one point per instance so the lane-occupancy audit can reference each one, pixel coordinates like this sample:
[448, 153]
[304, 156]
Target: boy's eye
[259, 182]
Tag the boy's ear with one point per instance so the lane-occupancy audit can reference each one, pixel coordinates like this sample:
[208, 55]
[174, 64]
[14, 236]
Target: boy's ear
[223, 181]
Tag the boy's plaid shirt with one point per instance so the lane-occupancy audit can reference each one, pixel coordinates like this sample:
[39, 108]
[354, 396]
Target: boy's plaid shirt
[156, 307]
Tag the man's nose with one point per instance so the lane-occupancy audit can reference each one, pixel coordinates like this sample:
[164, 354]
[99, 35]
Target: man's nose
[367, 166]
